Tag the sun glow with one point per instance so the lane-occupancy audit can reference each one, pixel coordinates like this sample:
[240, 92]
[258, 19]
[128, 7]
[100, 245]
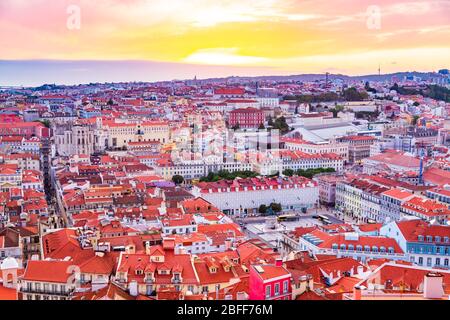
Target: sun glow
[284, 34]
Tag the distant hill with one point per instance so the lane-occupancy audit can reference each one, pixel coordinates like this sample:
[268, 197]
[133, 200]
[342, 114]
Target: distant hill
[316, 77]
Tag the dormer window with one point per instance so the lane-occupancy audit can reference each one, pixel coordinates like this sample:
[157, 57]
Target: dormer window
[391, 250]
[420, 238]
[446, 239]
[213, 270]
[176, 276]
[429, 238]
[438, 239]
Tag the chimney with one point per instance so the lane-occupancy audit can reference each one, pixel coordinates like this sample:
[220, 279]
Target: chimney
[356, 293]
[433, 286]
[279, 262]
[133, 287]
[360, 270]
[228, 244]
[241, 296]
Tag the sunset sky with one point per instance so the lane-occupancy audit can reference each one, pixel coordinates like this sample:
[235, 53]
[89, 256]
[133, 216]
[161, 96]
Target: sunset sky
[228, 37]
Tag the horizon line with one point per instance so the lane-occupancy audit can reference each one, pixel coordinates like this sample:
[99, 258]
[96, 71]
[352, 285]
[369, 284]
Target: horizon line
[259, 72]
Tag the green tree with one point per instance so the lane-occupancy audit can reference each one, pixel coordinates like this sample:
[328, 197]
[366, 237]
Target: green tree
[309, 98]
[45, 122]
[224, 174]
[336, 110]
[352, 94]
[177, 179]
[288, 172]
[262, 209]
[281, 124]
[368, 88]
[276, 207]
[310, 173]
[415, 119]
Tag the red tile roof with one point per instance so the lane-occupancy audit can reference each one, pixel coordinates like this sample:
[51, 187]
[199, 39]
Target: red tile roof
[8, 294]
[412, 229]
[271, 271]
[48, 271]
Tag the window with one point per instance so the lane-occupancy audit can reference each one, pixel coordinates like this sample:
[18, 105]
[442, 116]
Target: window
[446, 262]
[277, 289]
[267, 291]
[149, 290]
[286, 286]
[420, 261]
[438, 261]
[429, 262]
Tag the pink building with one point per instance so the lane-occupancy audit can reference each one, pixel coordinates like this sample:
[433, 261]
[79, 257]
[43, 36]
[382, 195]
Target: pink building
[24, 129]
[247, 118]
[270, 282]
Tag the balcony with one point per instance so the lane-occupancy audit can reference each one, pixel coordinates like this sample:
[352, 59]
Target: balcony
[149, 280]
[47, 292]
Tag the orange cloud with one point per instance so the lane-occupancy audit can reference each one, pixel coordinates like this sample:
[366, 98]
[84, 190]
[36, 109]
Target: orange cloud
[284, 34]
